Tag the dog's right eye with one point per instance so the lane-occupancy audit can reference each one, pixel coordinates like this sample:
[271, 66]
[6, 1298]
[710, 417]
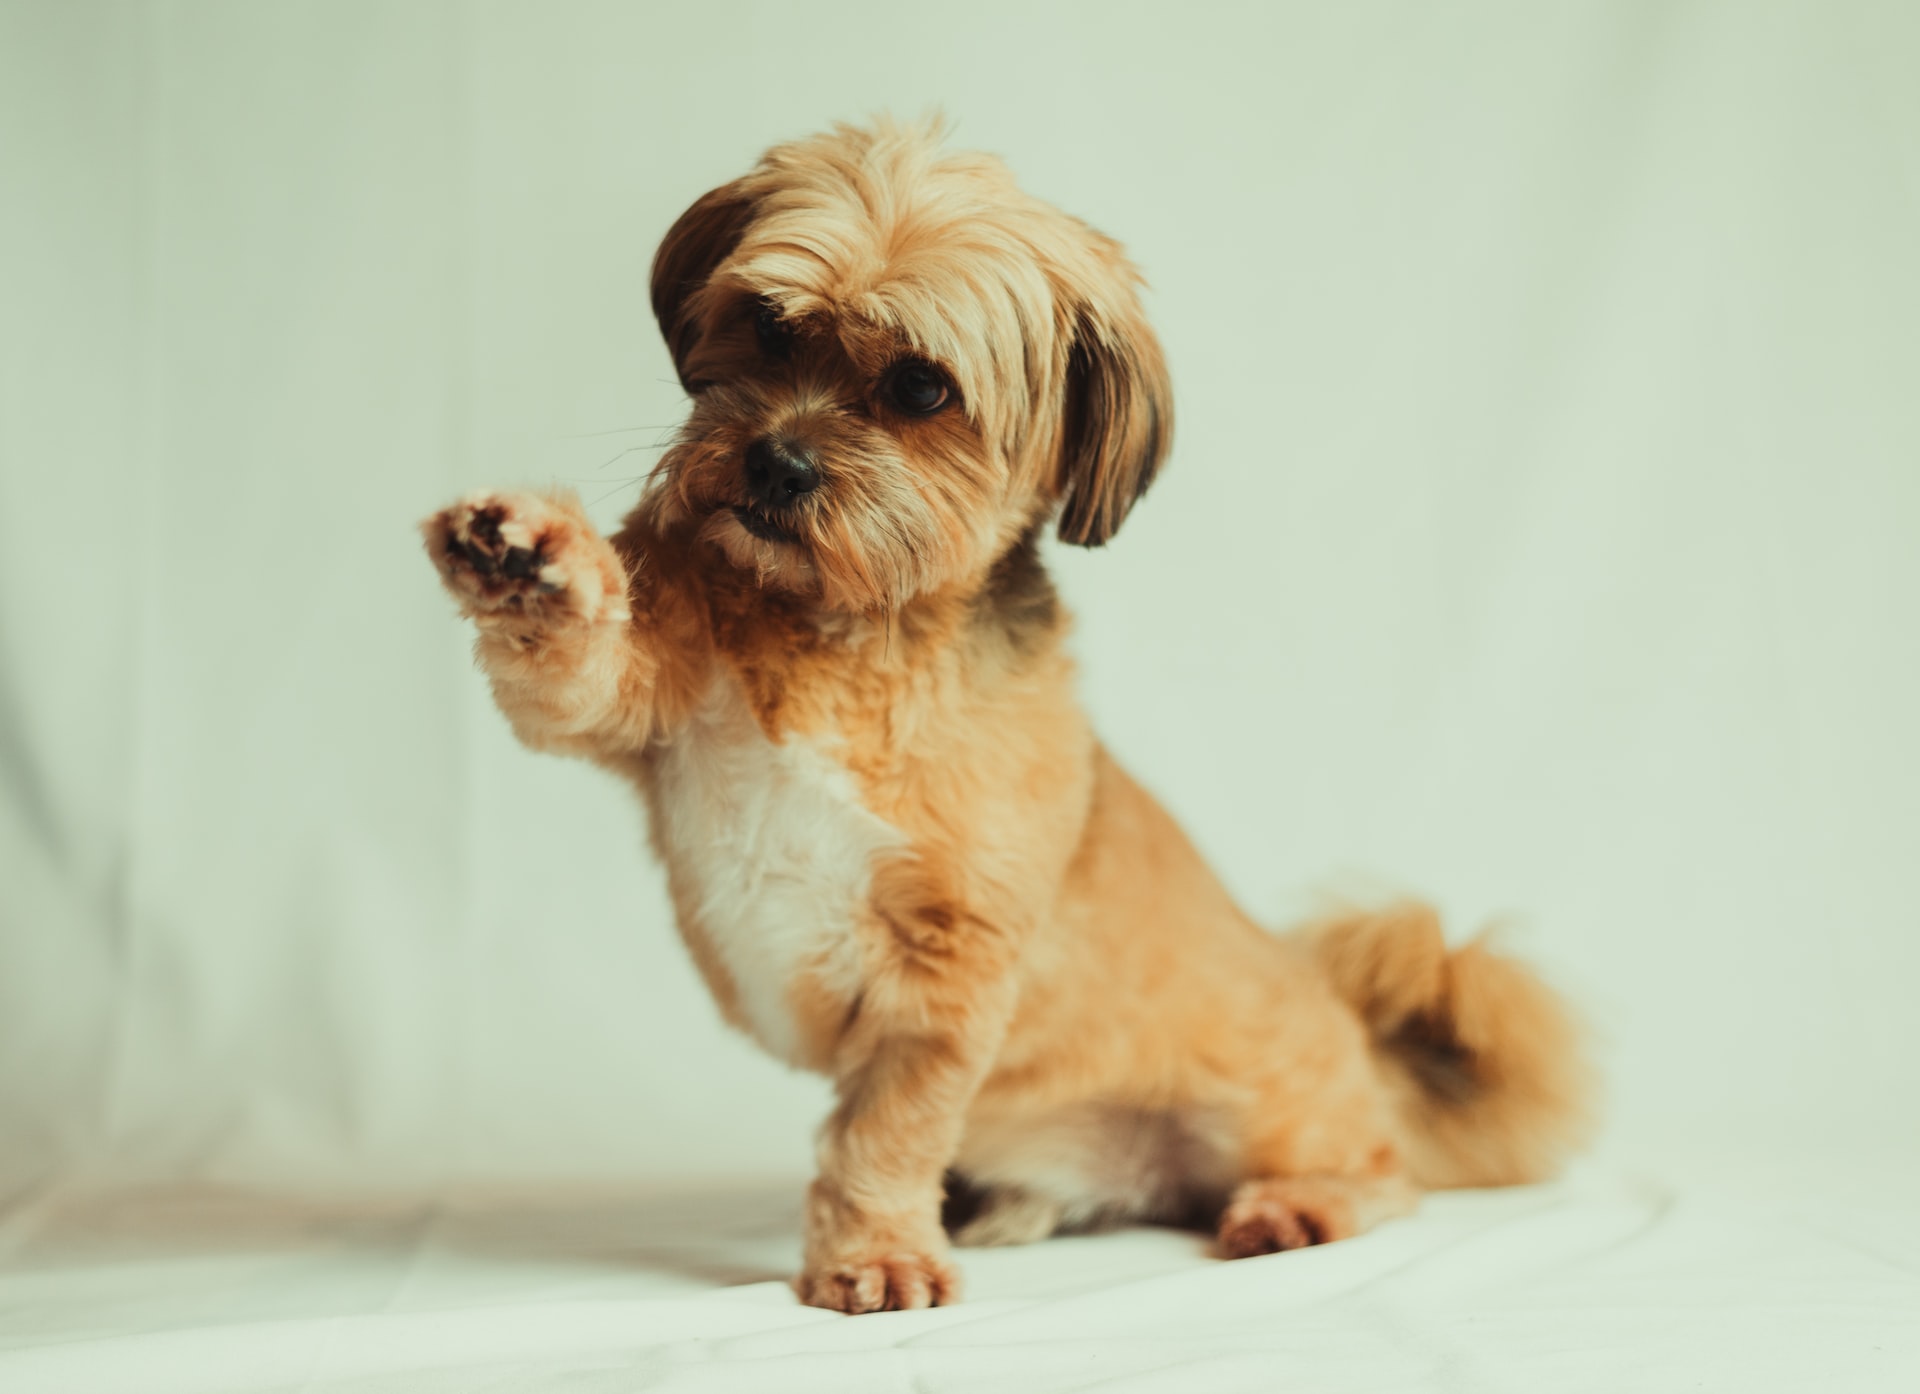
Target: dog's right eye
[918, 389]
[772, 331]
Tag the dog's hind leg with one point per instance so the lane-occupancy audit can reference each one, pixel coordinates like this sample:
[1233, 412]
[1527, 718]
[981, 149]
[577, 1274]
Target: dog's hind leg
[1010, 1215]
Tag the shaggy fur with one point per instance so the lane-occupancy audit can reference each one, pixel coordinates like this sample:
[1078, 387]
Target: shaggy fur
[896, 851]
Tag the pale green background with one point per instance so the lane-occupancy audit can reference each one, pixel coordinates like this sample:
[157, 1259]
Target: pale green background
[1543, 533]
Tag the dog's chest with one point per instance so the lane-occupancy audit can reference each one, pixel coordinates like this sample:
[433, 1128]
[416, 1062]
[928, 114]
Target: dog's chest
[772, 855]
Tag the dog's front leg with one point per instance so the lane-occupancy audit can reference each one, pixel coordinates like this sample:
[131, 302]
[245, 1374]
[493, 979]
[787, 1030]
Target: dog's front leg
[924, 1037]
[549, 598]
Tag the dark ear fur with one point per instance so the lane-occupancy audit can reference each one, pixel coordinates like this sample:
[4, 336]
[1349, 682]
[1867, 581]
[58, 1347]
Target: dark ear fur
[699, 241]
[1117, 426]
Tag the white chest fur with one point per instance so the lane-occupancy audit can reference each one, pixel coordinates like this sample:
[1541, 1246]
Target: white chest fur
[775, 851]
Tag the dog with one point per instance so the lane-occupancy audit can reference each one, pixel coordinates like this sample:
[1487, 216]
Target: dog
[824, 648]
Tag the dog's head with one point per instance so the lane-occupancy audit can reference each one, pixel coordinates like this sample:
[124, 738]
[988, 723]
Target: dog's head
[899, 365]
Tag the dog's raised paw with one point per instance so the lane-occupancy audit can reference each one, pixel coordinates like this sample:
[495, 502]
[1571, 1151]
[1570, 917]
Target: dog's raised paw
[897, 1282]
[520, 556]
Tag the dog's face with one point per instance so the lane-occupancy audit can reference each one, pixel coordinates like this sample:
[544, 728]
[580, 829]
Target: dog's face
[899, 365]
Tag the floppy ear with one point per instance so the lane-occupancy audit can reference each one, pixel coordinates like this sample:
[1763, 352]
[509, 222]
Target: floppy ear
[699, 241]
[1117, 426]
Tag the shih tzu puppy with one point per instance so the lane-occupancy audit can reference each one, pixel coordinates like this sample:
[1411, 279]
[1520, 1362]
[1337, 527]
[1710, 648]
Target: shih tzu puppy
[825, 651]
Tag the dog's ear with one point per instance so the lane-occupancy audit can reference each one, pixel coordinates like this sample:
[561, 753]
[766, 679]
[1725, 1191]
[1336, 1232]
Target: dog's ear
[1117, 424]
[699, 241]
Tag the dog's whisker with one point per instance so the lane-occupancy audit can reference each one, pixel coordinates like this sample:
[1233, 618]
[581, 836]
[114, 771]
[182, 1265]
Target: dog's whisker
[630, 450]
[623, 484]
[614, 431]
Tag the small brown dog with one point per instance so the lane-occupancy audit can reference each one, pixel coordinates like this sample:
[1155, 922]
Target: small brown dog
[825, 650]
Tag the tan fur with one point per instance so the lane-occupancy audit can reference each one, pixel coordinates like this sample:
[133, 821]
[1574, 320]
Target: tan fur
[896, 851]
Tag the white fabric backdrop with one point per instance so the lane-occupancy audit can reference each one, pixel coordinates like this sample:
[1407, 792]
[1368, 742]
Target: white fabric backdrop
[1541, 535]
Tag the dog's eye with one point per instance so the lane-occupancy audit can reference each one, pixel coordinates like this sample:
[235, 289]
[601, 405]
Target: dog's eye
[772, 331]
[918, 389]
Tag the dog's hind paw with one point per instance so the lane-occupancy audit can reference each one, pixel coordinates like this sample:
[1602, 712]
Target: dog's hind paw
[1272, 1214]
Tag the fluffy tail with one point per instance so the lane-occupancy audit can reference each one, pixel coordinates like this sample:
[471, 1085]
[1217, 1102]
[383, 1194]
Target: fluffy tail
[1484, 1059]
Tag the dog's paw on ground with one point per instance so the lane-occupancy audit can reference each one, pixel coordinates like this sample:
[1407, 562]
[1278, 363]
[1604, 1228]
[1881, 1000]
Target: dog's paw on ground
[896, 1282]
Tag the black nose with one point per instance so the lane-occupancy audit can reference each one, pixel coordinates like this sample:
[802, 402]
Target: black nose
[778, 472]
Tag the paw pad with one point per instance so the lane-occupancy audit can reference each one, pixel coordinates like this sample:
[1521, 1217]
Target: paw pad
[497, 547]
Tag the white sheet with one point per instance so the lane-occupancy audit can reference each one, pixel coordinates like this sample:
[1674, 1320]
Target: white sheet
[1748, 1281]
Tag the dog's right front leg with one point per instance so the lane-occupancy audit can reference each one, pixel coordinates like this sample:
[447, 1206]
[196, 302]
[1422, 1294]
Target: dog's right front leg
[925, 1034]
[549, 598]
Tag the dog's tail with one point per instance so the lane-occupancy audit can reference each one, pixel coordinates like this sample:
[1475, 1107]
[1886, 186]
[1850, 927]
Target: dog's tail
[1484, 1060]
